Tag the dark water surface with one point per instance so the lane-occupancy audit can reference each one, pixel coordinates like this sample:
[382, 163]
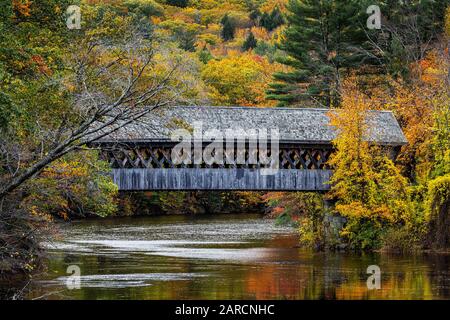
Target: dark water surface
[222, 257]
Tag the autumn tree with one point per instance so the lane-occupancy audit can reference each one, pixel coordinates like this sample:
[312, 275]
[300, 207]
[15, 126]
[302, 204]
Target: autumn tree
[59, 94]
[100, 104]
[238, 79]
[74, 186]
[370, 191]
[185, 34]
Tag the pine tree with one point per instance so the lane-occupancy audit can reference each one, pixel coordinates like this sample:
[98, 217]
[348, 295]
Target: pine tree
[178, 3]
[323, 39]
[254, 15]
[276, 18]
[227, 28]
[250, 42]
[265, 21]
[272, 20]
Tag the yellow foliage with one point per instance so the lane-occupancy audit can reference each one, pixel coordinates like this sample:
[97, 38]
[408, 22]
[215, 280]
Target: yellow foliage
[239, 79]
[269, 5]
[155, 20]
[72, 187]
[369, 189]
[415, 105]
[260, 33]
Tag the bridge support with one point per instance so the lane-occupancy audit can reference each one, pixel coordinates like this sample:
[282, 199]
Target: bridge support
[142, 179]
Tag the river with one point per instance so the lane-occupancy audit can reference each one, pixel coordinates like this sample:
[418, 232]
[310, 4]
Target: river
[221, 257]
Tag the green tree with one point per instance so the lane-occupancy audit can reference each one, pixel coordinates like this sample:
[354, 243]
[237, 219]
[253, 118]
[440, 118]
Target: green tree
[227, 28]
[277, 17]
[178, 3]
[265, 21]
[205, 55]
[272, 20]
[323, 39]
[250, 42]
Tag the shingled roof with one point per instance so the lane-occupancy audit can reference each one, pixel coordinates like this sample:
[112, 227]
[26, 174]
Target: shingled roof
[295, 125]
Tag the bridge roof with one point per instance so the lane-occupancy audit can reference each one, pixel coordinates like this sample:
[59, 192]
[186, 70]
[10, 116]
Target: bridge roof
[295, 125]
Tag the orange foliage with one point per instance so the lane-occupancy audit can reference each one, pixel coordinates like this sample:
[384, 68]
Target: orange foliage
[413, 104]
[22, 7]
[40, 63]
[269, 5]
[260, 33]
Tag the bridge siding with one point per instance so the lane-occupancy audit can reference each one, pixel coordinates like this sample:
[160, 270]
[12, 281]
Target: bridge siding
[220, 179]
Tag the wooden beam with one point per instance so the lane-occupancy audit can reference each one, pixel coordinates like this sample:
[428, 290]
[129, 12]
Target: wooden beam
[139, 179]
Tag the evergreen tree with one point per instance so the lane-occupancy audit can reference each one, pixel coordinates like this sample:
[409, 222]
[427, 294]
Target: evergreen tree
[272, 20]
[276, 18]
[265, 21]
[178, 3]
[323, 39]
[205, 55]
[254, 15]
[250, 42]
[227, 28]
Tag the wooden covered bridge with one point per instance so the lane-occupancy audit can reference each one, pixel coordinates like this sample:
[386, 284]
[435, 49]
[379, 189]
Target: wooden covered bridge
[141, 154]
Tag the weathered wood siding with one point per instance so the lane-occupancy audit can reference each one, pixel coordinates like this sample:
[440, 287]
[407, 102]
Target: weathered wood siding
[133, 179]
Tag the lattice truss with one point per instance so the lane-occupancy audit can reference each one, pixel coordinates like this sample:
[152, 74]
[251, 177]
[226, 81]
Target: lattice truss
[160, 157]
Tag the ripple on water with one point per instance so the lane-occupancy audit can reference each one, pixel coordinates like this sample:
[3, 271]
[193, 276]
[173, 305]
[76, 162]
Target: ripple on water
[175, 248]
[122, 280]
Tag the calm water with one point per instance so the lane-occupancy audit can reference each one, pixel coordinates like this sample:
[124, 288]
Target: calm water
[222, 257]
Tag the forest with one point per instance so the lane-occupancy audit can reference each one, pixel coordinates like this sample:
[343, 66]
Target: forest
[59, 84]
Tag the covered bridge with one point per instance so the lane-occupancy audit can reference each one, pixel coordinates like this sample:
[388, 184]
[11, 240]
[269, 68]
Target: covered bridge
[141, 153]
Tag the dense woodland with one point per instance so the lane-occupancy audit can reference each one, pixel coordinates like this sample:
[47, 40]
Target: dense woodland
[58, 85]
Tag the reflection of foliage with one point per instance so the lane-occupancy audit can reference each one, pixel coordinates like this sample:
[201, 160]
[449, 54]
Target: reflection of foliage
[180, 202]
[306, 210]
[447, 22]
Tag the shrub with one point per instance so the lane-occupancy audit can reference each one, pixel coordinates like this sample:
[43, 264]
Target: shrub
[438, 211]
[70, 188]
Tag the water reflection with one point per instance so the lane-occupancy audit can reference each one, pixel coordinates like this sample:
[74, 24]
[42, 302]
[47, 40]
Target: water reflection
[223, 257]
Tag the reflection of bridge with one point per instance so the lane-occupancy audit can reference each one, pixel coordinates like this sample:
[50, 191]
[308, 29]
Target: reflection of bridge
[140, 154]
